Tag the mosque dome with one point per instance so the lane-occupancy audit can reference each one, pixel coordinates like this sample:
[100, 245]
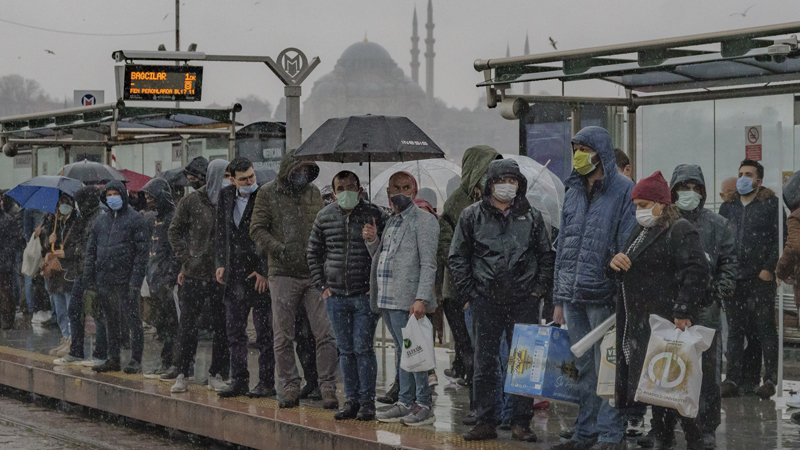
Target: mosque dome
[366, 51]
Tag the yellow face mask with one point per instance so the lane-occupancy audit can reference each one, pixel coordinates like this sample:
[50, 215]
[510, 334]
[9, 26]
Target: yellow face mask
[582, 162]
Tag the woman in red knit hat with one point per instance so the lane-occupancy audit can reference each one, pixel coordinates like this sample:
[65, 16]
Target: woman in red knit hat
[663, 272]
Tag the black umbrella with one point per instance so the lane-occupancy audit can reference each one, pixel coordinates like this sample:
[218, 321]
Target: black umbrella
[175, 177]
[91, 172]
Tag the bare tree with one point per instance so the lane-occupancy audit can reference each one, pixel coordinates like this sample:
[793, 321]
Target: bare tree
[20, 95]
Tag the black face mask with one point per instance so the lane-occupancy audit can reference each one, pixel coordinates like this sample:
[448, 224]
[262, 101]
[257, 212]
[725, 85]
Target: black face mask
[298, 179]
[401, 201]
[197, 184]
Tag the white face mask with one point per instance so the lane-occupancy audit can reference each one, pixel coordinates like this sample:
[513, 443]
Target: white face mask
[646, 218]
[688, 200]
[505, 192]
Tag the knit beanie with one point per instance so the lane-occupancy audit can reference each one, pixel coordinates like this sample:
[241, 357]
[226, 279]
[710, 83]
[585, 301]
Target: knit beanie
[653, 188]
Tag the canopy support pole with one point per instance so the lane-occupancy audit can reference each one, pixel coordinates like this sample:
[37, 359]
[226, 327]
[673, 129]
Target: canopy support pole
[575, 119]
[780, 253]
[34, 161]
[632, 141]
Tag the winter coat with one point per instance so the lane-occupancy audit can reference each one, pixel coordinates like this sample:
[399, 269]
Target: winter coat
[755, 232]
[474, 165]
[592, 229]
[337, 255]
[191, 235]
[88, 202]
[283, 217]
[669, 277]
[236, 251]
[162, 266]
[116, 253]
[13, 243]
[716, 236]
[504, 259]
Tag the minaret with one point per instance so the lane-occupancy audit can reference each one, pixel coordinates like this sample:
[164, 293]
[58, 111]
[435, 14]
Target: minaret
[414, 49]
[526, 87]
[508, 50]
[429, 54]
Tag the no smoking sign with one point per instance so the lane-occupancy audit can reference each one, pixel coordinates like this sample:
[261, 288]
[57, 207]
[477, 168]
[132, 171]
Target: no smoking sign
[752, 146]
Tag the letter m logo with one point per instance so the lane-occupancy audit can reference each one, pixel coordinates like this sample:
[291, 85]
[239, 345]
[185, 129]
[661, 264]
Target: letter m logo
[291, 65]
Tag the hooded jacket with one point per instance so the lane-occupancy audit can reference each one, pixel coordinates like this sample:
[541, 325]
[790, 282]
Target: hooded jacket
[283, 217]
[191, 231]
[788, 267]
[594, 229]
[116, 253]
[88, 202]
[502, 258]
[197, 167]
[755, 232]
[716, 235]
[474, 165]
[162, 267]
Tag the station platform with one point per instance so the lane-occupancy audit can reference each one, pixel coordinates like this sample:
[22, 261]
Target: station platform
[747, 422]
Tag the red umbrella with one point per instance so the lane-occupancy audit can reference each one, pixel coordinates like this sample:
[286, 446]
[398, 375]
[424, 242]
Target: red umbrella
[136, 181]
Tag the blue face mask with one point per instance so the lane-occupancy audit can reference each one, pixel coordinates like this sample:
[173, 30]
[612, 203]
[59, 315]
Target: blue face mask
[114, 203]
[744, 185]
[247, 190]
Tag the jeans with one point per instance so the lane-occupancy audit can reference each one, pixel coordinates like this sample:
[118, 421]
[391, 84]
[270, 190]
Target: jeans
[752, 308]
[119, 303]
[412, 384]
[288, 293]
[353, 326]
[30, 294]
[503, 407]
[597, 419]
[709, 416]
[240, 297]
[60, 301]
[191, 296]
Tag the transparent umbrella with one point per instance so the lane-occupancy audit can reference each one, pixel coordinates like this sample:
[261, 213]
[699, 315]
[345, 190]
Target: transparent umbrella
[545, 189]
[436, 178]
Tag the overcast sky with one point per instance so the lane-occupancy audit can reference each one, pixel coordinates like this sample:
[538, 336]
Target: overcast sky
[465, 30]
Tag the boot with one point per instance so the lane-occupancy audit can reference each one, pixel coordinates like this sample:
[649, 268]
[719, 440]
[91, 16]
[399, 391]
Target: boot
[111, 365]
[329, 400]
[523, 433]
[481, 432]
[262, 390]
[290, 399]
[391, 396]
[236, 389]
[308, 392]
[729, 389]
[766, 390]
[350, 411]
[366, 412]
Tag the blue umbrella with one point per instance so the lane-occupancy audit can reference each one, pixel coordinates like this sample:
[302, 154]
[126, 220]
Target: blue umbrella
[42, 192]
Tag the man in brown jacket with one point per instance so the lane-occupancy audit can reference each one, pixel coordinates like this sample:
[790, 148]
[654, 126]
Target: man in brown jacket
[789, 263]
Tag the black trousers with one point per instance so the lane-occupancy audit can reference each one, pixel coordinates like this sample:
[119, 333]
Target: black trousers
[454, 312]
[165, 319]
[119, 310]
[709, 416]
[191, 297]
[663, 423]
[240, 298]
[752, 308]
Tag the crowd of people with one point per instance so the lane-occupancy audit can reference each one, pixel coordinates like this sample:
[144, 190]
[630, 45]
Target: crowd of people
[316, 271]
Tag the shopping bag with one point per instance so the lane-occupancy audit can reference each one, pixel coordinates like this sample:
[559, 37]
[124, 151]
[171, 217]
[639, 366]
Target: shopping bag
[32, 257]
[145, 291]
[591, 338]
[672, 373]
[608, 365]
[417, 349]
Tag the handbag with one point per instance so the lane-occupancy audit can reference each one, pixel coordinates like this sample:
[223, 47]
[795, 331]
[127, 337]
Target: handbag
[52, 264]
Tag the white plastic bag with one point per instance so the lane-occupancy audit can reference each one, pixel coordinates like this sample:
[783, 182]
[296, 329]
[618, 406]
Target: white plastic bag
[32, 257]
[145, 291]
[608, 365]
[593, 336]
[417, 348]
[673, 371]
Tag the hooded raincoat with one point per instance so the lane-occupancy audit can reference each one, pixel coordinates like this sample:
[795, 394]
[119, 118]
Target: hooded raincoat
[283, 217]
[593, 229]
[162, 267]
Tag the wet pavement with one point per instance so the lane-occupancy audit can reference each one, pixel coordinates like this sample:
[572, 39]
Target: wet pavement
[747, 422]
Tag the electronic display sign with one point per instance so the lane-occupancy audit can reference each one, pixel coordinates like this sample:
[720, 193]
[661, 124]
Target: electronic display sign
[163, 83]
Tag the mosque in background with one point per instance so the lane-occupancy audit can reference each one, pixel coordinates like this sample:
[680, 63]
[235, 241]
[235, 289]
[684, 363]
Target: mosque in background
[367, 80]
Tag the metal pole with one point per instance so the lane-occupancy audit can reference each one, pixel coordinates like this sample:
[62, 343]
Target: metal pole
[780, 253]
[184, 150]
[66, 154]
[575, 118]
[232, 138]
[177, 35]
[293, 137]
[34, 162]
[632, 141]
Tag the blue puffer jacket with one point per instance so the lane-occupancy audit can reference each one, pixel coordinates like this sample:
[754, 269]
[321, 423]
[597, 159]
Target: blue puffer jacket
[593, 229]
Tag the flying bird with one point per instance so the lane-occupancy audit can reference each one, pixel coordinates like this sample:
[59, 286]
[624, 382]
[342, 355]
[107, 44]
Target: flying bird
[743, 14]
[50, 51]
[553, 43]
[165, 17]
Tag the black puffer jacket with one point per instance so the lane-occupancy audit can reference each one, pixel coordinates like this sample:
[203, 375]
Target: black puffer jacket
[337, 255]
[504, 259]
[162, 266]
[116, 253]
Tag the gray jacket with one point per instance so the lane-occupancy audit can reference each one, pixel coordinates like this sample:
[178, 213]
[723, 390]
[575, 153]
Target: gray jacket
[413, 261]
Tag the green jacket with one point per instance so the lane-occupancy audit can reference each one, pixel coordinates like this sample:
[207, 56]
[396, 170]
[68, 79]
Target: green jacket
[473, 166]
[283, 217]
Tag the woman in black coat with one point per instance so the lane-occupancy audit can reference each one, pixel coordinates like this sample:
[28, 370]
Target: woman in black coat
[663, 272]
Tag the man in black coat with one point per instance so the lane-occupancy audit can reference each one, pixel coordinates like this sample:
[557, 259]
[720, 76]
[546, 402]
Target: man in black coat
[753, 212]
[243, 272]
[116, 257]
[501, 260]
[340, 268]
[13, 242]
[162, 271]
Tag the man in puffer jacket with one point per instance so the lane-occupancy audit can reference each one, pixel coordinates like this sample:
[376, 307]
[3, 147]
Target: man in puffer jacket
[688, 189]
[116, 256]
[597, 217]
[340, 267]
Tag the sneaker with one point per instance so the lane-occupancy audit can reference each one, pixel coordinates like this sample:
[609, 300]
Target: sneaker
[729, 389]
[433, 380]
[366, 412]
[290, 399]
[63, 351]
[452, 375]
[635, 427]
[348, 412]
[67, 360]
[181, 385]
[173, 373]
[420, 415]
[481, 432]
[471, 420]
[162, 369]
[394, 414]
[37, 317]
[793, 402]
[523, 433]
[329, 400]
[216, 384]
[566, 433]
[92, 361]
[391, 396]
[61, 344]
[133, 367]
[236, 389]
[766, 390]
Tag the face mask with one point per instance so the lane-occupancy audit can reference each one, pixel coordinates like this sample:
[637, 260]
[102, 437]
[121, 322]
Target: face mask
[65, 209]
[744, 185]
[247, 190]
[645, 217]
[347, 199]
[114, 202]
[582, 162]
[298, 179]
[688, 200]
[504, 192]
[226, 182]
[401, 201]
